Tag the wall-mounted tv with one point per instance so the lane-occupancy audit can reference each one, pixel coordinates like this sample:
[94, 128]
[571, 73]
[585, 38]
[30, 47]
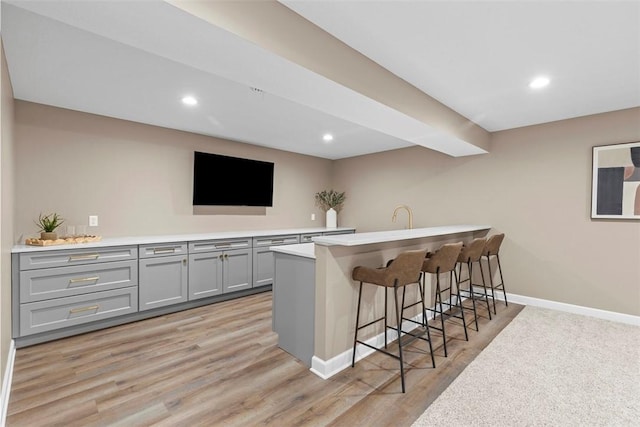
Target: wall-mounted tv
[231, 181]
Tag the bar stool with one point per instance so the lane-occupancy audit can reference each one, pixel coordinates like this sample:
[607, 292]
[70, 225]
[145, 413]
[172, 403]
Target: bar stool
[469, 255]
[399, 272]
[441, 262]
[492, 249]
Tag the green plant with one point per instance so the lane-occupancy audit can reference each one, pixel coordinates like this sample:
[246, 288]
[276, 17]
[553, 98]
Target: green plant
[328, 199]
[49, 223]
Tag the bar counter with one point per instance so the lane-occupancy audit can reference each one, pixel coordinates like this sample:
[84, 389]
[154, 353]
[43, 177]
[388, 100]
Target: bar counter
[336, 293]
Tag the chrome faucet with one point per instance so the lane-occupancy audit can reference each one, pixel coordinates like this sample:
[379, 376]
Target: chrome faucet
[395, 214]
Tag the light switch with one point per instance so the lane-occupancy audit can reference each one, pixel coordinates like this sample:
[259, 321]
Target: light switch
[93, 220]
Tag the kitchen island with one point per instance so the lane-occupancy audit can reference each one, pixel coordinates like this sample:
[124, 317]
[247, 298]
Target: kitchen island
[335, 293]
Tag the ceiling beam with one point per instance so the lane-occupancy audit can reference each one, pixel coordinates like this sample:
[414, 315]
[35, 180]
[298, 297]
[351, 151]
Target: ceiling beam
[278, 29]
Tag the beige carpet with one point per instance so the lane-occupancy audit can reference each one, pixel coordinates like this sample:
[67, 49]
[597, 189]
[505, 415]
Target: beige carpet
[547, 368]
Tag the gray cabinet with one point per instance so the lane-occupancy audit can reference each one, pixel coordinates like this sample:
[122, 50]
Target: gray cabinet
[62, 288]
[220, 266]
[58, 292]
[163, 275]
[263, 261]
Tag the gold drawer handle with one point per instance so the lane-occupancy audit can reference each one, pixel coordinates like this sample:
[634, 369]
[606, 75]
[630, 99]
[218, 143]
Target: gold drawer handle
[85, 279]
[81, 309]
[277, 241]
[82, 257]
[223, 245]
[163, 251]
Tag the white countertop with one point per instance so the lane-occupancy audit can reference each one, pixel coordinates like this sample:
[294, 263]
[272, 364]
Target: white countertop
[144, 240]
[306, 250]
[395, 235]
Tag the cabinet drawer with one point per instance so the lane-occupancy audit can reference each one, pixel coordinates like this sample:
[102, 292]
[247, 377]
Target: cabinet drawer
[307, 238]
[218, 245]
[335, 233]
[163, 249]
[41, 284]
[61, 258]
[275, 240]
[41, 316]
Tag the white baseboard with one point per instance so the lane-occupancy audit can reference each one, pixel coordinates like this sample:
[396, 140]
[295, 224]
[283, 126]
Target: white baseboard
[6, 383]
[570, 308]
[327, 368]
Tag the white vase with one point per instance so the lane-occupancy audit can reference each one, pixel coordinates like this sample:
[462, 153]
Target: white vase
[332, 218]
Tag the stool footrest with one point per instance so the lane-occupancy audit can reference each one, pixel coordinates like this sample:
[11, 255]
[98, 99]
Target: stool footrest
[371, 323]
[395, 356]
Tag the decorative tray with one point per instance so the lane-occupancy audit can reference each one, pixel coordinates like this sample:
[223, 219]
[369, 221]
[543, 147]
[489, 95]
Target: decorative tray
[62, 241]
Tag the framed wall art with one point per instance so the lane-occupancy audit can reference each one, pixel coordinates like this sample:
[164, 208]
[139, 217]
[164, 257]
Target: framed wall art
[615, 189]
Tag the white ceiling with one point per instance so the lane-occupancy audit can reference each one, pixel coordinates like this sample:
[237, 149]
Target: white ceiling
[476, 57]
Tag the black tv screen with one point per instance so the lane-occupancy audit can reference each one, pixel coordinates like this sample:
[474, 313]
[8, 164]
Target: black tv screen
[231, 181]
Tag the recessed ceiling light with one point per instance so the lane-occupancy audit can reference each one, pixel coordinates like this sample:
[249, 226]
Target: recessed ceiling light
[189, 100]
[539, 82]
[327, 137]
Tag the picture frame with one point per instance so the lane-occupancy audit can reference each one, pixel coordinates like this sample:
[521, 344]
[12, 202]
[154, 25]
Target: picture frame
[615, 187]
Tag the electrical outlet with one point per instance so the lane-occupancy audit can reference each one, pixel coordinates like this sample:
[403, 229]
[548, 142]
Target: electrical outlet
[93, 220]
[313, 217]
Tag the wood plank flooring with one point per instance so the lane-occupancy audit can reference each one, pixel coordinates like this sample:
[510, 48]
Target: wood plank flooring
[220, 365]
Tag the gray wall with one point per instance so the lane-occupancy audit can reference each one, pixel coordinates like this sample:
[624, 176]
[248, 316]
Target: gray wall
[138, 178]
[6, 208]
[535, 186]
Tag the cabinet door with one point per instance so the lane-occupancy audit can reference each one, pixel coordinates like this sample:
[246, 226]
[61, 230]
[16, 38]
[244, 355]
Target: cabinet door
[205, 275]
[262, 267]
[335, 233]
[236, 271]
[163, 281]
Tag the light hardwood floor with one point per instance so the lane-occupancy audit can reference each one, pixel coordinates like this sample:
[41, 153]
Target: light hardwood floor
[220, 365]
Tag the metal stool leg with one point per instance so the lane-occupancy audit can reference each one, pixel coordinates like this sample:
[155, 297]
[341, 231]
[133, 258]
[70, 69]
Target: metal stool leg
[355, 338]
[473, 299]
[491, 283]
[439, 298]
[484, 286]
[504, 291]
[399, 328]
[452, 274]
[386, 326]
[469, 265]
[426, 325]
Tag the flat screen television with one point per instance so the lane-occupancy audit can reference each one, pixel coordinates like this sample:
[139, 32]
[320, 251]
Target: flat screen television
[231, 181]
